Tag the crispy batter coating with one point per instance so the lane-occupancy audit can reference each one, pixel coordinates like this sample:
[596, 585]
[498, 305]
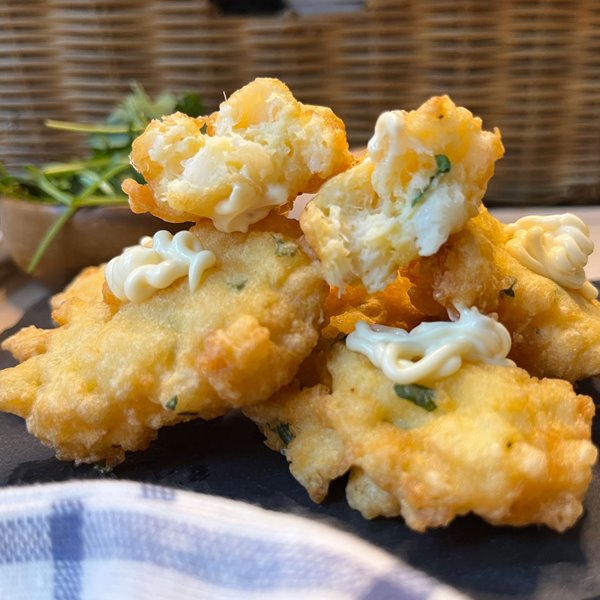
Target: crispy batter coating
[259, 151]
[391, 306]
[113, 373]
[512, 449]
[423, 176]
[555, 331]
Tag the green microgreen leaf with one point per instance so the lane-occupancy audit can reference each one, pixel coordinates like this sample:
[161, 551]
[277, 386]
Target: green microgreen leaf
[283, 430]
[49, 237]
[190, 104]
[88, 127]
[443, 165]
[172, 403]
[104, 177]
[100, 201]
[95, 181]
[51, 189]
[11, 186]
[418, 394]
[75, 166]
[88, 177]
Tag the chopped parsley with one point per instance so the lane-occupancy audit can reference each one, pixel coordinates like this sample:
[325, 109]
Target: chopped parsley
[103, 467]
[284, 432]
[418, 394]
[283, 248]
[443, 165]
[237, 285]
[172, 403]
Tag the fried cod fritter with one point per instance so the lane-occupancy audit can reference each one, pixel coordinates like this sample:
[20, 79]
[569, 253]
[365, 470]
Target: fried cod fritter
[512, 449]
[258, 152]
[113, 373]
[555, 331]
[423, 176]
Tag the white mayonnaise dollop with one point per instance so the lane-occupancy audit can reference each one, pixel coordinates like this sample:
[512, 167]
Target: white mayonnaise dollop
[556, 246]
[432, 351]
[140, 271]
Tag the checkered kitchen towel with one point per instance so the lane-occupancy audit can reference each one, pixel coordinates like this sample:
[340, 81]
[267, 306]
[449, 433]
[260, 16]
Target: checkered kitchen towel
[123, 540]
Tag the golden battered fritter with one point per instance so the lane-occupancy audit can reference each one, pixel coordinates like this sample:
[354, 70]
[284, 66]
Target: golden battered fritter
[555, 331]
[512, 449]
[424, 174]
[258, 152]
[113, 373]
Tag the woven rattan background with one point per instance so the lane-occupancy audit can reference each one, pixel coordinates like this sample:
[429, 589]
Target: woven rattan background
[530, 68]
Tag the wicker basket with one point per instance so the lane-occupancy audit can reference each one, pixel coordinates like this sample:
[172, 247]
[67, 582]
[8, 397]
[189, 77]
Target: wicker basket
[531, 68]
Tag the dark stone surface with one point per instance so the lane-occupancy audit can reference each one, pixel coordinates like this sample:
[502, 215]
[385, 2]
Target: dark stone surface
[226, 457]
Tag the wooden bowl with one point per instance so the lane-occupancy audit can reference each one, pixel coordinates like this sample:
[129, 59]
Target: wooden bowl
[92, 236]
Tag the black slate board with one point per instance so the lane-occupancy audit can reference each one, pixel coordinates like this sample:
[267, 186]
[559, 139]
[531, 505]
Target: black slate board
[226, 457]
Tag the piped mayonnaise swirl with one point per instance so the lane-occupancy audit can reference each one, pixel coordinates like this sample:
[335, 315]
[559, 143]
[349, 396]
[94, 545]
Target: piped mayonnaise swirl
[140, 271]
[432, 351]
[555, 246]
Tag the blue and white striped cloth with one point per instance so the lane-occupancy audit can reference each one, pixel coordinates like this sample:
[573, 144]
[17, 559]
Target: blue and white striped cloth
[123, 540]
